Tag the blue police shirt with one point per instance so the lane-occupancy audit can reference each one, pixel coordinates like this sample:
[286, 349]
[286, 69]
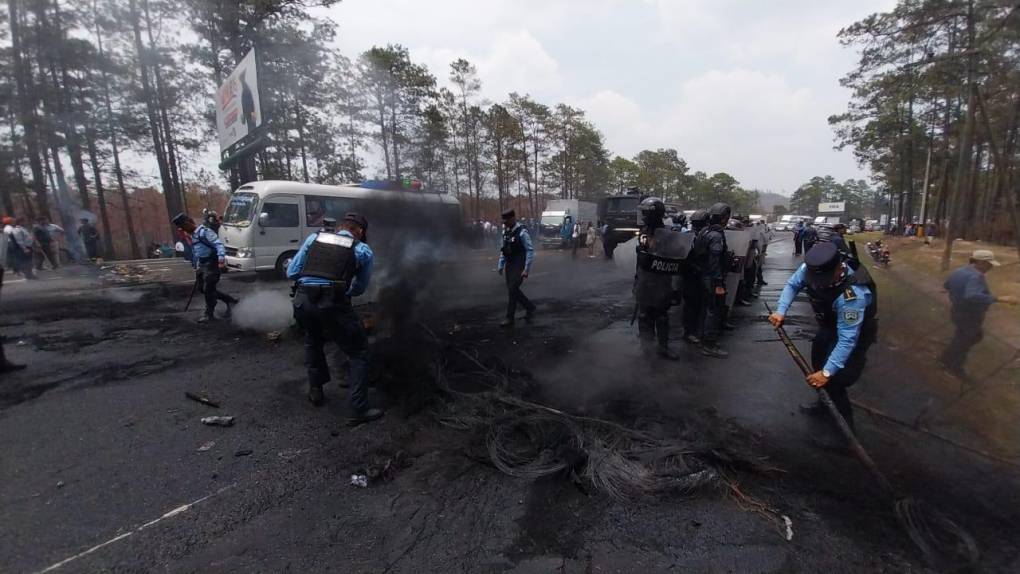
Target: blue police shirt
[205, 242]
[529, 251]
[362, 273]
[849, 316]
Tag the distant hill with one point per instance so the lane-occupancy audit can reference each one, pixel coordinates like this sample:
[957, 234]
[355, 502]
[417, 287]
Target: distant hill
[769, 199]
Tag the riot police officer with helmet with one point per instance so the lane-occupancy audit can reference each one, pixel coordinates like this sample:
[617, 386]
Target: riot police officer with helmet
[329, 270]
[711, 253]
[845, 305]
[694, 298]
[653, 290]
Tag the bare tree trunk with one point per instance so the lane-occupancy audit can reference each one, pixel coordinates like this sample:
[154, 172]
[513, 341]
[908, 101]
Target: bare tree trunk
[969, 206]
[65, 102]
[1001, 161]
[301, 140]
[394, 141]
[26, 108]
[173, 200]
[90, 141]
[954, 226]
[161, 104]
[112, 134]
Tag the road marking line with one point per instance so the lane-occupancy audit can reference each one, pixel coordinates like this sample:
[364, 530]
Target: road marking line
[170, 514]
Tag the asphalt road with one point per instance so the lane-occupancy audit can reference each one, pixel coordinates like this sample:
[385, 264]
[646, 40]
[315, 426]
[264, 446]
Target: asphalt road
[105, 465]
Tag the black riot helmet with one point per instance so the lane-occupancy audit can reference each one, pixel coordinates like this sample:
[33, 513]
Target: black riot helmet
[719, 214]
[699, 219]
[651, 212]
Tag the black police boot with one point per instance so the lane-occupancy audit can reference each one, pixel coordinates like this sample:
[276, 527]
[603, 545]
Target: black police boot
[365, 417]
[508, 322]
[666, 353]
[713, 350]
[315, 395]
[692, 339]
[730, 326]
[814, 409]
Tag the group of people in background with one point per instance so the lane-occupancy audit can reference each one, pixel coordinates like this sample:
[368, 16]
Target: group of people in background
[32, 247]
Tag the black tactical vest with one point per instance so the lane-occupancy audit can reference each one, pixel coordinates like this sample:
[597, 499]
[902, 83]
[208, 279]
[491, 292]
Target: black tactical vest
[331, 257]
[513, 248]
[822, 301]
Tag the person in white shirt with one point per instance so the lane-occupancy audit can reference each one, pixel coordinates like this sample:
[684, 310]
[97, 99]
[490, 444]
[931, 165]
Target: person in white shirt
[23, 246]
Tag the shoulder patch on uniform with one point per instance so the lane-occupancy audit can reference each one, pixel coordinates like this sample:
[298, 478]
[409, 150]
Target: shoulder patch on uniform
[851, 316]
[849, 294]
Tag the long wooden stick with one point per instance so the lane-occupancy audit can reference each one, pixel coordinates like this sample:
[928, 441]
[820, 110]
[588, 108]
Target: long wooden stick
[823, 395]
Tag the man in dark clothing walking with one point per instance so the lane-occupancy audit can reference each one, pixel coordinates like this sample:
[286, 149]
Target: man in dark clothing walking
[809, 236]
[43, 233]
[970, 298]
[90, 237]
[515, 259]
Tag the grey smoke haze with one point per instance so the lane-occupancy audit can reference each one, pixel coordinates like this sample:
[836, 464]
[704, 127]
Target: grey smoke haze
[625, 256]
[125, 295]
[264, 311]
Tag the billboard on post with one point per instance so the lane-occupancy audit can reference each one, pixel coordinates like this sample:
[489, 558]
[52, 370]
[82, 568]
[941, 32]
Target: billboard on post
[832, 207]
[238, 103]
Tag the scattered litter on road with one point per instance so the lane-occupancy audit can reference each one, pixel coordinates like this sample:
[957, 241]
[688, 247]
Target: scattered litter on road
[201, 399]
[384, 468]
[60, 484]
[125, 272]
[291, 453]
[22, 343]
[218, 421]
[359, 480]
[273, 336]
[789, 527]
[244, 452]
[207, 446]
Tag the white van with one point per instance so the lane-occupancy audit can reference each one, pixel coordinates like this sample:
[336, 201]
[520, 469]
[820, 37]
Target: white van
[266, 222]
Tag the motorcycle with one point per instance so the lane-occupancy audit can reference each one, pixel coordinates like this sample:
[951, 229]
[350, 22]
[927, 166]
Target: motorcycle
[879, 253]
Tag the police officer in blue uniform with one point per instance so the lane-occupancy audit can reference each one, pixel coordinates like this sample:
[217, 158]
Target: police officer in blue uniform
[209, 259]
[330, 269]
[515, 259]
[712, 256]
[845, 305]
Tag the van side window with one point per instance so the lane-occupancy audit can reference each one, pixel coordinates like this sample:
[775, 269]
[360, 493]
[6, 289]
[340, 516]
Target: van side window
[317, 207]
[280, 214]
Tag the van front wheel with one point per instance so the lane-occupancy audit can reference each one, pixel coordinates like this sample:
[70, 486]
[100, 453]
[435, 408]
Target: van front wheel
[282, 262]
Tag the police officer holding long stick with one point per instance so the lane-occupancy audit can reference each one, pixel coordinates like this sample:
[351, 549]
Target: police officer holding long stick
[845, 305]
[209, 260]
[330, 269]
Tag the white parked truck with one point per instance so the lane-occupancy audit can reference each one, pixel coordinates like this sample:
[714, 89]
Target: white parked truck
[265, 222]
[559, 217]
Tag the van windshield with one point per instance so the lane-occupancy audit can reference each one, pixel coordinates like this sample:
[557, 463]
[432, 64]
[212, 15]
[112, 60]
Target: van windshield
[240, 209]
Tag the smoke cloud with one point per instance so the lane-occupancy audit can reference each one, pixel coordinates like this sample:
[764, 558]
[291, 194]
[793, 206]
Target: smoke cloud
[264, 311]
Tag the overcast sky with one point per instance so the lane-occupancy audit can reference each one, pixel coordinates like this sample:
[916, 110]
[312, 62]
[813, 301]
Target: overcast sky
[742, 87]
